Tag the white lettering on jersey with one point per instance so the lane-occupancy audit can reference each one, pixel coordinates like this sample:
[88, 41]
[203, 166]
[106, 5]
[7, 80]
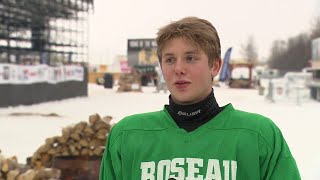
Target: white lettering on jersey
[178, 168]
[213, 170]
[234, 170]
[226, 165]
[147, 170]
[163, 165]
[193, 168]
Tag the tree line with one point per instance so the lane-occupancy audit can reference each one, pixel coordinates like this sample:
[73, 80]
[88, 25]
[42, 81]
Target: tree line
[293, 54]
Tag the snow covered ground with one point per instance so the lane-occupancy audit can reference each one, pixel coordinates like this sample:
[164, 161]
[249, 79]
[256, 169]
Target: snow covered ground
[22, 135]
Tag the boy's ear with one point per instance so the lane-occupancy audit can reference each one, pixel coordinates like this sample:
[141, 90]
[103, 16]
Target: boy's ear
[216, 67]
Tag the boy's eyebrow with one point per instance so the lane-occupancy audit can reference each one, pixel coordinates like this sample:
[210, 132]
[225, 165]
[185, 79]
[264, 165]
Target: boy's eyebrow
[192, 52]
[168, 54]
[188, 52]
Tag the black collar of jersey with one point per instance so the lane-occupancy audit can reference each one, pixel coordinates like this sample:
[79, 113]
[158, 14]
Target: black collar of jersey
[190, 117]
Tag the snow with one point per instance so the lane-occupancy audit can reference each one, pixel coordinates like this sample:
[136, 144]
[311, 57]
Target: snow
[23, 135]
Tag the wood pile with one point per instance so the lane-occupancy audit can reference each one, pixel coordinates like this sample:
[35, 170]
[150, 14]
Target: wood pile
[129, 82]
[81, 139]
[11, 170]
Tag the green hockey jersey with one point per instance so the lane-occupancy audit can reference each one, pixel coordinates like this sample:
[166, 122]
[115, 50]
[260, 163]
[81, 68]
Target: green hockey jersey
[233, 145]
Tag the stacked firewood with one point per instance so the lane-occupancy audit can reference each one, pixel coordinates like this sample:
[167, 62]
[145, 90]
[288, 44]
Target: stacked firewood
[7, 165]
[81, 139]
[129, 82]
[11, 170]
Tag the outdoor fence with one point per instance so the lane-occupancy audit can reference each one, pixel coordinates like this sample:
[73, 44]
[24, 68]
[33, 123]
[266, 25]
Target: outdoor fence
[25, 85]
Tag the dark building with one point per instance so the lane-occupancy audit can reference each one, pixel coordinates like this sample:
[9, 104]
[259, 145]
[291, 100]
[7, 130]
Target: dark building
[44, 31]
[142, 56]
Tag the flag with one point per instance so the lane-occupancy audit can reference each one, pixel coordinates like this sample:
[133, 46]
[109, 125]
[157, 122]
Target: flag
[225, 71]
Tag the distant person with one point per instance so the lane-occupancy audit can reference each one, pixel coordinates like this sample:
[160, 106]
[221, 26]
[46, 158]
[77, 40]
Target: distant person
[155, 79]
[161, 85]
[193, 137]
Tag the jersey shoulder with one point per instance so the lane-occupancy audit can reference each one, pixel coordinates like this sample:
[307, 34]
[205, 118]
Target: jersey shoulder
[252, 122]
[144, 121]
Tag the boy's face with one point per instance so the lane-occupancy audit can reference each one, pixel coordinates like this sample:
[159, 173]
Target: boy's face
[186, 71]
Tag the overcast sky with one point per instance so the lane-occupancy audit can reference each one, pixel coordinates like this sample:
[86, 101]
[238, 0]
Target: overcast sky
[115, 21]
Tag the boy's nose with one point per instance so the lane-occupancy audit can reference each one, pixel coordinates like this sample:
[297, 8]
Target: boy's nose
[179, 67]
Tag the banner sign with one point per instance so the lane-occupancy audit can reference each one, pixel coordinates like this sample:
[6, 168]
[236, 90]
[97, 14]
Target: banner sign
[28, 74]
[142, 52]
[125, 68]
[225, 71]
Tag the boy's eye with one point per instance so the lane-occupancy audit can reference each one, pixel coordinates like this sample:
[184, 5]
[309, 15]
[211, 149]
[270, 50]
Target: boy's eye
[190, 58]
[168, 60]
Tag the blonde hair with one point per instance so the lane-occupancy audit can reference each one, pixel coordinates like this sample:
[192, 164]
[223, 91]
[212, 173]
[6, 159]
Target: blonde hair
[200, 32]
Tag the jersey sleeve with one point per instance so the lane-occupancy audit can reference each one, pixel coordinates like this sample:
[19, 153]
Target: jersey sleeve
[111, 161]
[276, 160]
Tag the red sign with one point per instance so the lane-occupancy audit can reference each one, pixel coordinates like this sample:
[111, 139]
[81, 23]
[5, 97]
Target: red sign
[125, 67]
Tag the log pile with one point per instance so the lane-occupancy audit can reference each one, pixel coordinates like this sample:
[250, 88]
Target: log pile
[11, 170]
[81, 139]
[129, 82]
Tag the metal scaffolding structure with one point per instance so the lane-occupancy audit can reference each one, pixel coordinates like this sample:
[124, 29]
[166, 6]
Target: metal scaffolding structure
[44, 31]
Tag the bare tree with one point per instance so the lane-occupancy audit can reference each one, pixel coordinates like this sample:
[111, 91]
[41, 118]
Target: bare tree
[290, 55]
[315, 31]
[295, 53]
[278, 51]
[249, 50]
